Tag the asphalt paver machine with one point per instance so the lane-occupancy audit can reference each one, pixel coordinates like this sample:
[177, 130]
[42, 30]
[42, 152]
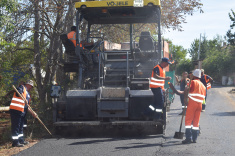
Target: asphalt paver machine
[113, 85]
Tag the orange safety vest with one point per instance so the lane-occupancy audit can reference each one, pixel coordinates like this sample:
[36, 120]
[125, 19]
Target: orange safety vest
[156, 83]
[17, 103]
[72, 37]
[198, 93]
[208, 84]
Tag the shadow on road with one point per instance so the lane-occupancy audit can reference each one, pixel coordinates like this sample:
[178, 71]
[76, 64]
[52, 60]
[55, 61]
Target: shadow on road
[101, 140]
[138, 145]
[173, 143]
[224, 114]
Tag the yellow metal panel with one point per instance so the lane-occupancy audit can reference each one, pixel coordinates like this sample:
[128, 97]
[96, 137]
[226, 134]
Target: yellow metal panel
[113, 3]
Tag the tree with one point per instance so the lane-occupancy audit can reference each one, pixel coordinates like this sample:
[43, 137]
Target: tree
[178, 54]
[206, 45]
[230, 34]
[184, 65]
[174, 12]
[41, 22]
[6, 8]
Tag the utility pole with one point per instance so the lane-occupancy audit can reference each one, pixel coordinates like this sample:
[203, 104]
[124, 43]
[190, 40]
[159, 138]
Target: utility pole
[198, 56]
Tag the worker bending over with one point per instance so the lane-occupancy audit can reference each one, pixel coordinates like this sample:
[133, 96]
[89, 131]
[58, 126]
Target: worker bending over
[18, 110]
[196, 95]
[157, 86]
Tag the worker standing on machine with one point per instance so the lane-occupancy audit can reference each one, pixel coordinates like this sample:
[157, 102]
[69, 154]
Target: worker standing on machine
[157, 86]
[206, 80]
[18, 110]
[183, 82]
[196, 95]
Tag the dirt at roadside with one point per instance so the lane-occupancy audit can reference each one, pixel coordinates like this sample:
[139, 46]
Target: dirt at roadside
[8, 150]
[229, 93]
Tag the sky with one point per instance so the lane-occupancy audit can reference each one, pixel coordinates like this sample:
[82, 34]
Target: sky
[214, 21]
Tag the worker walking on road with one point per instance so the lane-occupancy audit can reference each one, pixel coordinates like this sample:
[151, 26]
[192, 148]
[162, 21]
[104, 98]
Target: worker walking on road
[206, 80]
[183, 82]
[18, 110]
[157, 86]
[196, 95]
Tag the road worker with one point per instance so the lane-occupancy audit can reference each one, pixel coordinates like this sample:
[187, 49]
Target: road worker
[18, 110]
[183, 82]
[157, 86]
[72, 35]
[206, 80]
[196, 95]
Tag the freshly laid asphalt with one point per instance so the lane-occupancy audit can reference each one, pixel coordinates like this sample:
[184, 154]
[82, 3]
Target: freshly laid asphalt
[217, 136]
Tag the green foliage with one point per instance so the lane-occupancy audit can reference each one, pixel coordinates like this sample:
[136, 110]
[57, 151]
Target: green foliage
[14, 63]
[219, 64]
[178, 54]
[193, 51]
[6, 7]
[184, 65]
[230, 34]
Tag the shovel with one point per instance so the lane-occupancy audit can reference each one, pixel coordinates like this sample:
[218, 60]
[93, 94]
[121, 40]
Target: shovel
[180, 135]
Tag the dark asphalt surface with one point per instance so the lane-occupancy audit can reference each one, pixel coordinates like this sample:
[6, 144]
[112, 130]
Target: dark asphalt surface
[217, 138]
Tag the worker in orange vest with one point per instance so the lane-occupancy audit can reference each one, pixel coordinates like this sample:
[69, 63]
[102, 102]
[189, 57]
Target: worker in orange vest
[196, 95]
[157, 86]
[206, 80]
[72, 35]
[18, 110]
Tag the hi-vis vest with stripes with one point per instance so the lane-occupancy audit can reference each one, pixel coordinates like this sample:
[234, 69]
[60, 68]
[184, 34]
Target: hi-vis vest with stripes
[199, 92]
[17, 103]
[156, 83]
[72, 37]
[208, 84]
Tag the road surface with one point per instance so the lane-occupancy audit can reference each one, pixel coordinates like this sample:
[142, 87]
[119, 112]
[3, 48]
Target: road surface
[217, 137]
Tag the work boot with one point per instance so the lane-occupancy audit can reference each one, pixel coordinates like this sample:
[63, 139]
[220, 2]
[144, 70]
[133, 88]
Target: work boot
[24, 143]
[195, 135]
[17, 145]
[203, 107]
[186, 141]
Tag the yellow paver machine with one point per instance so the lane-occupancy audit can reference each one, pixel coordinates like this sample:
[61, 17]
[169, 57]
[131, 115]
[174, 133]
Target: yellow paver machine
[113, 84]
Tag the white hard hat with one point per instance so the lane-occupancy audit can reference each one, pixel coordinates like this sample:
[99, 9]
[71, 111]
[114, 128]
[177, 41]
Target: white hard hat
[30, 82]
[197, 73]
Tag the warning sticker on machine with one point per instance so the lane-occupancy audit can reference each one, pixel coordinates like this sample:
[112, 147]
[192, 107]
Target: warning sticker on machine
[138, 3]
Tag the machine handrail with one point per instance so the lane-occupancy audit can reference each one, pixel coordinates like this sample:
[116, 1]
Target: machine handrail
[127, 65]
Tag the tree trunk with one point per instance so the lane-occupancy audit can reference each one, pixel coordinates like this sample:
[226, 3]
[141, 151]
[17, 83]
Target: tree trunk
[37, 54]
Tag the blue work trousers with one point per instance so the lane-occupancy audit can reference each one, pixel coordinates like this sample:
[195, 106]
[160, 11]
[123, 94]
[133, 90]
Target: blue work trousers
[158, 102]
[17, 122]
